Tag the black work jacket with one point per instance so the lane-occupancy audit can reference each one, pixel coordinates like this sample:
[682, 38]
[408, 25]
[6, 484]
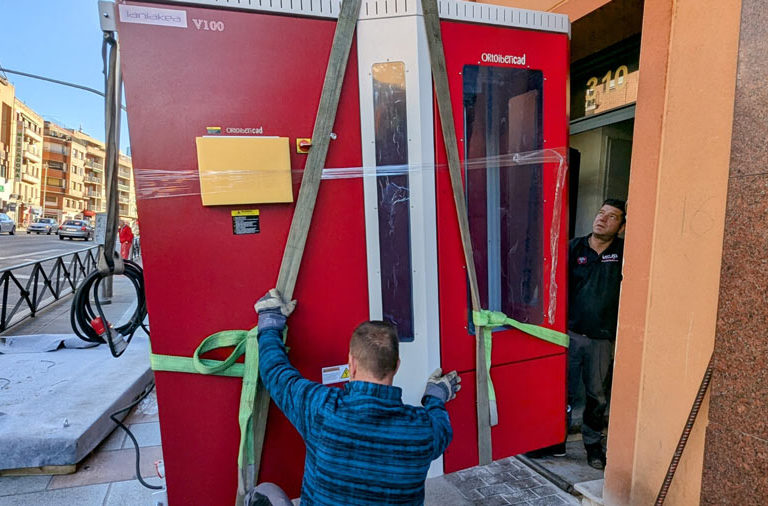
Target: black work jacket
[594, 281]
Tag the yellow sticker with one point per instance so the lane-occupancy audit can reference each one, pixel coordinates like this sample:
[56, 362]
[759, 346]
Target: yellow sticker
[345, 374]
[246, 212]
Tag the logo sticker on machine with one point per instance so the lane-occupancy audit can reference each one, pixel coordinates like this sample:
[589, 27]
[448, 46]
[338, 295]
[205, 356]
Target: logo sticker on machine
[335, 374]
[153, 16]
[245, 221]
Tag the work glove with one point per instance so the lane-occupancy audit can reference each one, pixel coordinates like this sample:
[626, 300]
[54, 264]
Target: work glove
[273, 310]
[443, 387]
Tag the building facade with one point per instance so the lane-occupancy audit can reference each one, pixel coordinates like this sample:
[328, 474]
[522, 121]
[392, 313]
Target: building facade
[74, 166]
[7, 141]
[28, 164]
[94, 175]
[126, 189]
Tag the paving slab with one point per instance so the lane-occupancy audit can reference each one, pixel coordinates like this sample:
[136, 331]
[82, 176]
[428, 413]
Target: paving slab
[81, 496]
[123, 493]
[54, 406]
[565, 471]
[108, 466]
[13, 485]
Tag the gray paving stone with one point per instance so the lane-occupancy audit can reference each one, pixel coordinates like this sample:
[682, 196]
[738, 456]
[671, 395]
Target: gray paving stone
[521, 474]
[81, 496]
[526, 483]
[504, 465]
[114, 441]
[12, 485]
[472, 495]
[123, 493]
[474, 472]
[520, 495]
[545, 490]
[551, 500]
[499, 488]
[497, 478]
[495, 500]
[470, 484]
[147, 434]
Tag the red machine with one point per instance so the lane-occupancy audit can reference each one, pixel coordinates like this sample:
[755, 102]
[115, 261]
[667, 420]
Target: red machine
[384, 241]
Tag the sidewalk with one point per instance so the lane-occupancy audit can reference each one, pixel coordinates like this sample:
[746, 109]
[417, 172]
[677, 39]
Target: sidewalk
[107, 475]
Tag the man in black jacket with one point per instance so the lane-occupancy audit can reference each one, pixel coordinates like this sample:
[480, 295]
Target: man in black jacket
[594, 281]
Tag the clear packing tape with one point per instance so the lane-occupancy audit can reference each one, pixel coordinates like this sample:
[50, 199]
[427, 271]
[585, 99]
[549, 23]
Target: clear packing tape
[548, 165]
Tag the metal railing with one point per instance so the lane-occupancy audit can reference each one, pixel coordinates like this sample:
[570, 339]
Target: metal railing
[49, 280]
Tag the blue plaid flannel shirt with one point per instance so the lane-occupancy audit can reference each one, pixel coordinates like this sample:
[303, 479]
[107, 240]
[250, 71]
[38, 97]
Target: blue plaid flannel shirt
[364, 446]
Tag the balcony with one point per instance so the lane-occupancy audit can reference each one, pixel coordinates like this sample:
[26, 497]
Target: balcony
[123, 187]
[92, 179]
[32, 134]
[93, 193]
[124, 174]
[32, 156]
[123, 200]
[96, 167]
[26, 177]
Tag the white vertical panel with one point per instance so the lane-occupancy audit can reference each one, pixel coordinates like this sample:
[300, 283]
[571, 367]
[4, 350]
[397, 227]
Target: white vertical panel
[403, 39]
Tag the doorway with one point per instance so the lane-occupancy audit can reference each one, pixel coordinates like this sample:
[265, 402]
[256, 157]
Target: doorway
[606, 152]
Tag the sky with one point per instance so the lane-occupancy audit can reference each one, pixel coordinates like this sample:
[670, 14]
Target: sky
[59, 39]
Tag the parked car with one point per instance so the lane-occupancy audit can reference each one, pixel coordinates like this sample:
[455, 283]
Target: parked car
[43, 225]
[7, 224]
[76, 228]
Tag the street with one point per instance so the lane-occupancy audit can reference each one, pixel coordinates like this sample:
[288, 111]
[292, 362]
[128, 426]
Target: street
[23, 248]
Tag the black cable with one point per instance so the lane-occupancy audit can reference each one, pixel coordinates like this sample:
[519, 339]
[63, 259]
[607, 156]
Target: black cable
[120, 424]
[86, 307]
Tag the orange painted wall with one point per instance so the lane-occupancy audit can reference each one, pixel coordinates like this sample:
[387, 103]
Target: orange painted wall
[673, 249]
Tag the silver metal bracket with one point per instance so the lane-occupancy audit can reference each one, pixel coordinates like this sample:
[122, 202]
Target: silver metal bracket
[107, 16]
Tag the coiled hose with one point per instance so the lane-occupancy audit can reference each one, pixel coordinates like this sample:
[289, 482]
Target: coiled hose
[89, 321]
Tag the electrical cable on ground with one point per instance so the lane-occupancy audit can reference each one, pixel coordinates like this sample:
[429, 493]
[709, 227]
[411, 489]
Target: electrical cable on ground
[120, 424]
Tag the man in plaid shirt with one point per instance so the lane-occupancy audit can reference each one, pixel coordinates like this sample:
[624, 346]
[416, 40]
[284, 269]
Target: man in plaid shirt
[364, 446]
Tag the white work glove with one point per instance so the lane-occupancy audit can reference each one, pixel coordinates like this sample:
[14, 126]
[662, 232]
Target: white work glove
[273, 310]
[443, 387]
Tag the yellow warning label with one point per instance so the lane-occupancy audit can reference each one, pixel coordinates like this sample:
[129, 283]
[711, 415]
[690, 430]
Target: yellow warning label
[246, 212]
[335, 374]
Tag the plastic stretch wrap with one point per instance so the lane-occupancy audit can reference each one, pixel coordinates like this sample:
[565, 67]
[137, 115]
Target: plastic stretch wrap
[541, 165]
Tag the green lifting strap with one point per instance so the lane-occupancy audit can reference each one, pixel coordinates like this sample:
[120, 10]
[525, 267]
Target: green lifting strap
[485, 321]
[249, 371]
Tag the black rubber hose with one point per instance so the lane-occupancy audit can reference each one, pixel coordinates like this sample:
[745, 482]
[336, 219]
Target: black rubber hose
[86, 306]
[686, 433]
[120, 424]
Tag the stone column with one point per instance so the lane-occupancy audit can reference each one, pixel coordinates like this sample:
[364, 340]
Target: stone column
[736, 447]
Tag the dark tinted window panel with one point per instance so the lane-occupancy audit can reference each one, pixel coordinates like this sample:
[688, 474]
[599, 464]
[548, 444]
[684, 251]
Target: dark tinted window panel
[393, 196]
[502, 113]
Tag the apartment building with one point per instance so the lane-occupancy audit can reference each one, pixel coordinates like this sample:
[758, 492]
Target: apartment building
[126, 189]
[95, 183]
[7, 132]
[27, 164]
[64, 159]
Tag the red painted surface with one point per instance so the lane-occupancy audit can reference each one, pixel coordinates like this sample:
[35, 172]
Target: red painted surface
[261, 71]
[528, 374]
[267, 71]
